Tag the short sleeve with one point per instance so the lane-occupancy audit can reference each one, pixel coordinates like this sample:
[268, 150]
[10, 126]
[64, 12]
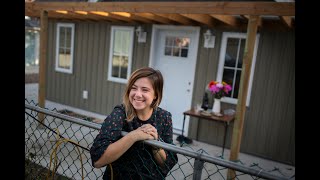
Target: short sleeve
[110, 132]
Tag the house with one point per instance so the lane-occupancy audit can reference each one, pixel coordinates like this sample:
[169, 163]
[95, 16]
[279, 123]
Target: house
[31, 42]
[92, 48]
[31, 50]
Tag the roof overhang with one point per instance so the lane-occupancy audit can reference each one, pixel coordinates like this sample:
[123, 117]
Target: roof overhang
[210, 14]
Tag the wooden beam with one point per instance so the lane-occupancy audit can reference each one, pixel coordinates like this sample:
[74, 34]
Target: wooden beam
[230, 20]
[54, 14]
[246, 17]
[220, 8]
[243, 91]
[178, 18]
[133, 17]
[112, 15]
[93, 15]
[81, 12]
[75, 16]
[43, 61]
[202, 18]
[275, 25]
[287, 20]
[154, 17]
[32, 14]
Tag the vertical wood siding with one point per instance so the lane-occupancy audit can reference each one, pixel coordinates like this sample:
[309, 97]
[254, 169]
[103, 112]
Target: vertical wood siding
[269, 129]
[91, 56]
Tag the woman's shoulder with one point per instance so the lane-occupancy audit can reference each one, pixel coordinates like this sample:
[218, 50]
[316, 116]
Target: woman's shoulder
[118, 110]
[119, 107]
[163, 112]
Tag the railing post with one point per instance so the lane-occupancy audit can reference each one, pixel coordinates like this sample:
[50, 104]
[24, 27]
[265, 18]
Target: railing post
[198, 166]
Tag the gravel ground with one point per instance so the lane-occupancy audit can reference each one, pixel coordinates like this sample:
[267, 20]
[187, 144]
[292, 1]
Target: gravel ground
[31, 92]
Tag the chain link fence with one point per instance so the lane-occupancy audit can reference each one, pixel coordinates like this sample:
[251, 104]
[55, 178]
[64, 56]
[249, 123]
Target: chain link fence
[57, 147]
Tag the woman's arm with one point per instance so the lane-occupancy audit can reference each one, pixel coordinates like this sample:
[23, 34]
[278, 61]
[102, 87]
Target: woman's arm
[160, 156]
[118, 148]
[109, 144]
[167, 137]
[158, 153]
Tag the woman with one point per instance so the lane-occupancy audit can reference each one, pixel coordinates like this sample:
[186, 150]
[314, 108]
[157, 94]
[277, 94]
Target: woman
[141, 117]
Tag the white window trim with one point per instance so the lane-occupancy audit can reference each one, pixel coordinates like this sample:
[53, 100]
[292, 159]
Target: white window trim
[57, 68]
[114, 79]
[225, 36]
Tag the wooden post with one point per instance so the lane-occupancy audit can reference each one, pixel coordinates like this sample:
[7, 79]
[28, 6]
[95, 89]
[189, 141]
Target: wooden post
[243, 91]
[42, 63]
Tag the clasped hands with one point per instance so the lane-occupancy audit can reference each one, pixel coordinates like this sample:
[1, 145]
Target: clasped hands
[145, 132]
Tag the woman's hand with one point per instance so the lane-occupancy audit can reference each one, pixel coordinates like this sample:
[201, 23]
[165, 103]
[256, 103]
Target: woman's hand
[151, 130]
[140, 134]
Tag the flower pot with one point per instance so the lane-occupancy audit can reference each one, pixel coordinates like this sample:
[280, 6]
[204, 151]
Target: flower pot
[216, 108]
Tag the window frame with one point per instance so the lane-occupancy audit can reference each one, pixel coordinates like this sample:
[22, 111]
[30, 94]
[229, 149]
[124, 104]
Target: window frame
[57, 68]
[223, 48]
[112, 36]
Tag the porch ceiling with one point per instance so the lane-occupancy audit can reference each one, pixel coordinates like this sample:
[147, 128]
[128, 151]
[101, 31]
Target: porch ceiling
[230, 15]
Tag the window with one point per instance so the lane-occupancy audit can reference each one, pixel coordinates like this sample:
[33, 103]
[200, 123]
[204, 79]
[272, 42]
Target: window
[230, 64]
[120, 57]
[176, 46]
[64, 47]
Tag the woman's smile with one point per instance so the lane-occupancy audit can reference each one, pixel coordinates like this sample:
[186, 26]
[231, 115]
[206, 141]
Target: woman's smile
[142, 95]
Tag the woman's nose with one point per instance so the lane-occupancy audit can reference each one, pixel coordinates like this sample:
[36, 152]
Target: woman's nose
[138, 93]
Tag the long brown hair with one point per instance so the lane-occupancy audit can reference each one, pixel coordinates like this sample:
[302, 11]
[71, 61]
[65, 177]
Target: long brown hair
[156, 80]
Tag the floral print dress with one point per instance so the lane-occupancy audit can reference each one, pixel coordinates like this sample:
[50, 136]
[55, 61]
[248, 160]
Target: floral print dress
[138, 161]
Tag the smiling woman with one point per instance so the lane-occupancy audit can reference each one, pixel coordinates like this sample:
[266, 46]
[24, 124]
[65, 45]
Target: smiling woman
[139, 115]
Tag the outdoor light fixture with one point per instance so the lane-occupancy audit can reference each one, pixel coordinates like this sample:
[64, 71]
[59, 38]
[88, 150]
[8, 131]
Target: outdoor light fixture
[142, 36]
[209, 39]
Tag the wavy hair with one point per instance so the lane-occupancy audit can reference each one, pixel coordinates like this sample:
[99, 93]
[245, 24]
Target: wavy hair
[156, 80]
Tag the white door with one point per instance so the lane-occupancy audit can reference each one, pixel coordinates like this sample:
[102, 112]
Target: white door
[175, 52]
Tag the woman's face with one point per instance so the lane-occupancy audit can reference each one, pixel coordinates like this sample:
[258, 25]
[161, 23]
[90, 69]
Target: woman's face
[142, 94]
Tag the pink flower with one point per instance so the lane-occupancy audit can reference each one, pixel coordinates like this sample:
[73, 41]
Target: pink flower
[218, 89]
[214, 89]
[227, 88]
[219, 85]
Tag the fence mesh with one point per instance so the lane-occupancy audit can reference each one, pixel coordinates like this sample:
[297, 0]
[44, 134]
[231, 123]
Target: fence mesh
[60, 148]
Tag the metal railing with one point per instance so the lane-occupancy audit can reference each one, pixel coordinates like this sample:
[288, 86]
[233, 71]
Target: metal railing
[60, 147]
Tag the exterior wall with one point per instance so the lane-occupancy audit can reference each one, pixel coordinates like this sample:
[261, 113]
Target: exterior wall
[269, 126]
[90, 69]
[269, 129]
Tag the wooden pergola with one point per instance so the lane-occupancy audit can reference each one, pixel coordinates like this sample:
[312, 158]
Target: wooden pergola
[211, 14]
[242, 16]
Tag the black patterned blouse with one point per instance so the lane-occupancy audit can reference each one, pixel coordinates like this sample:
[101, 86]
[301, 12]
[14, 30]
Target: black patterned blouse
[138, 161]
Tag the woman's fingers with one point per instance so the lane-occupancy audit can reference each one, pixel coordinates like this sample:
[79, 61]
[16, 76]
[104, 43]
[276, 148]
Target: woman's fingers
[143, 135]
[154, 135]
[149, 129]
